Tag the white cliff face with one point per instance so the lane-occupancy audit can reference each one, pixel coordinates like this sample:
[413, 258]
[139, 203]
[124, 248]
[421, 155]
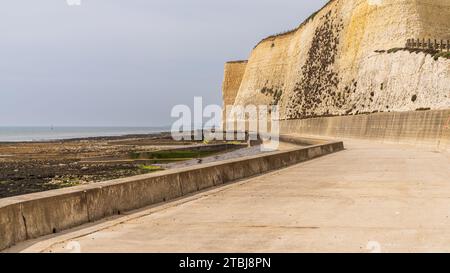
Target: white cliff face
[401, 81]
[376, 2]
[329, 66]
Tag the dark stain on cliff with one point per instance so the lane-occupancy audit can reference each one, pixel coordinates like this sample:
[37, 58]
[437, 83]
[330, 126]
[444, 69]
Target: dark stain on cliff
[274, 93]
[318, 84]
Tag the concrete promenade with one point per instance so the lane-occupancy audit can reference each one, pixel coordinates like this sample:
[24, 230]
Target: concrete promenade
[370, 197]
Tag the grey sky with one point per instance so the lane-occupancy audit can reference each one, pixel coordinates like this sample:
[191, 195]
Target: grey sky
[125, 62]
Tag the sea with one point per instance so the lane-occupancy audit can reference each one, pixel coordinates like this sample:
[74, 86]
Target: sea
[22, 134]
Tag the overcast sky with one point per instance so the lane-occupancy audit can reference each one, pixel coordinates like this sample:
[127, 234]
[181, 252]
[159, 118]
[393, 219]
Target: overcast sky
[125, 62]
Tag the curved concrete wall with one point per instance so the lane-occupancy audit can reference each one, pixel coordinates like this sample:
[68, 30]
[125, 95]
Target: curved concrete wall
[30, 216]
[421, 128]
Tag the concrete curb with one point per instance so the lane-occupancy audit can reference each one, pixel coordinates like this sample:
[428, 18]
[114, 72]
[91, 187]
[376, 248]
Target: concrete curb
[420, 128]
[34, 215]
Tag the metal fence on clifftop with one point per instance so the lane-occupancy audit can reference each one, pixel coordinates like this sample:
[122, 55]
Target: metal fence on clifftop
[429, 44]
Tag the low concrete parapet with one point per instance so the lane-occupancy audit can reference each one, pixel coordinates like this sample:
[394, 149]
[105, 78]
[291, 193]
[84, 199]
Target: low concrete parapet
[420, 128]
[34, 215]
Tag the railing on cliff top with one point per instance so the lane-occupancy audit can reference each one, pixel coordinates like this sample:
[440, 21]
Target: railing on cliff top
[429, 44]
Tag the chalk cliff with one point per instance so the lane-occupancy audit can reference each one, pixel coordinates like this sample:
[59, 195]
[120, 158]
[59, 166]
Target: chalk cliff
[349, 58]
[234, 71]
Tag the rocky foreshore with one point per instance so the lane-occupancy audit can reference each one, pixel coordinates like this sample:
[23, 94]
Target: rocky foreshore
[27, 167]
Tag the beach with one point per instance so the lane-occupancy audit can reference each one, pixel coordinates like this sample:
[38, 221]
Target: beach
[27, 167]
[34, 166]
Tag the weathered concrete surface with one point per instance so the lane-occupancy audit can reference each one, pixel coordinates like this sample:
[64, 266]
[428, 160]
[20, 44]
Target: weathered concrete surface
[394, 197]
[34, 215]
[421, 128]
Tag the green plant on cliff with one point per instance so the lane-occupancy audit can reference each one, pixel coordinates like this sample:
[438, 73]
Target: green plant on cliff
[394, 50]
[445, 55]
[436, 54]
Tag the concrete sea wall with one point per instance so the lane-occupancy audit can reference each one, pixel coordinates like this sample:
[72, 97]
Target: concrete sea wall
[430, 129]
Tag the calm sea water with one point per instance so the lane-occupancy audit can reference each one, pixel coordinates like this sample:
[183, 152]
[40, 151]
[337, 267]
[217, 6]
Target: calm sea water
[12, 134]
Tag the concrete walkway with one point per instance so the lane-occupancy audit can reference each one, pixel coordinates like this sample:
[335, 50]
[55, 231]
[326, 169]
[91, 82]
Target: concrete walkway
[371, 197]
